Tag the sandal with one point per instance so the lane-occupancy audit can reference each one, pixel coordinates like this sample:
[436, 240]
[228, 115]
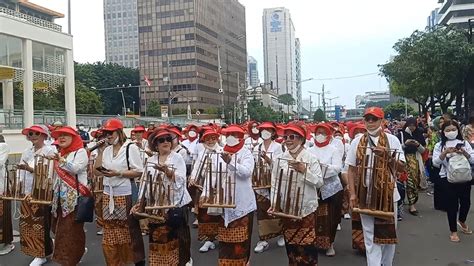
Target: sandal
[454, 238]
[465, 230]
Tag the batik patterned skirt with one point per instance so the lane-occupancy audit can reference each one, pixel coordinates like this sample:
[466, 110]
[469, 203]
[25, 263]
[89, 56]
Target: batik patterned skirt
[122, 241]
[357, 233]
[98, 208]
[6, 227]
[207, 225]
[70, 239]
[235, 241]
[300, 239]
[169, 246]
[35, 224]
[413, 182]
[268, 226]
[328, 217]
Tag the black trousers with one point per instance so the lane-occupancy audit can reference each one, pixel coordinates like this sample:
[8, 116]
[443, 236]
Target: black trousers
[458, 200]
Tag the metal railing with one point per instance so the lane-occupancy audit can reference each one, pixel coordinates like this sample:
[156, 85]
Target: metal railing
[33, 20]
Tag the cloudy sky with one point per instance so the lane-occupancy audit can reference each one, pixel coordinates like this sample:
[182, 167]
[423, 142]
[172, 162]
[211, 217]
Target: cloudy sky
[338, 38]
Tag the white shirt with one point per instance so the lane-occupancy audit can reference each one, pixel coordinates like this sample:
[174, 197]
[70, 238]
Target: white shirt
[4, 151]
[331, 164]
[28, 156]
[191, 146]
[76, 164]
[274, 151]
[252, 144]
[444, 163]
[393, 143]
[181, 196]
[120, 186]
[181, 150]
[339, 145]
[311, 183]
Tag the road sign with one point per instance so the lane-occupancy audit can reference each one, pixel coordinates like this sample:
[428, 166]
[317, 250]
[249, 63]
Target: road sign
[164, 111]
[198, 113]
[7, 73]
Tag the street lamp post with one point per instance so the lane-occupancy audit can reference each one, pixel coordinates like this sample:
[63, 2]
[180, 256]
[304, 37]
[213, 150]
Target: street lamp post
[133, 107]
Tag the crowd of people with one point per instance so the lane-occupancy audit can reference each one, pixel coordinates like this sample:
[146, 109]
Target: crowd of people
[162, 180]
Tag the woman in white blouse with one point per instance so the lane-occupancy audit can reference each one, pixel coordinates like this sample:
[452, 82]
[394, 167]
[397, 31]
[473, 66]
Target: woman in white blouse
[171, 166]
[122, 241]
[39, 243]
[268, 227]
[71, 182]
[458, 195]
[300, 235]
[331, 192]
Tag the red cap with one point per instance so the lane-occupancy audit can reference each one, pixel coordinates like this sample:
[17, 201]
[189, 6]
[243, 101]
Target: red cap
[175, 130]
[67, 130]
[96, 133]
[113, 124]
[209, 132]
[233, 129]
[297, 129]
[157, 134]
[191, 126]
[267, 125]
[354, 128]
[375, 111]
[326, 127]
[35, 128]
[138, 129]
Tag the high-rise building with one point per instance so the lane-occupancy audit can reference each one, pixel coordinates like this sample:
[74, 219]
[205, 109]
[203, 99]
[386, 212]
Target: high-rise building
[121, 32]
[180, 45]
[299, 97]
[252, 72]
[433, 19]
[279, 51]
[457, 12]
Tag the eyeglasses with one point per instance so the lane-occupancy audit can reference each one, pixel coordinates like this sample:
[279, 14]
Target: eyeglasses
[33, 133]
[371, 119]
[107, 133]
[167, 139]
[291, 137]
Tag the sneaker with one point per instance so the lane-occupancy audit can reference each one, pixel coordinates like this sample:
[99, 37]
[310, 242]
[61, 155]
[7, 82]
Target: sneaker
[281, 241]
[208, 245]
[347, 216]
[331, 252]
[261, 246]
[38, 261]
[7, 248]
[338, 227]
[100, 232]
[190, 262]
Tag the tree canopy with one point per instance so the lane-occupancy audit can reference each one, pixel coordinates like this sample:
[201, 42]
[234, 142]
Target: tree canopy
[319, 116]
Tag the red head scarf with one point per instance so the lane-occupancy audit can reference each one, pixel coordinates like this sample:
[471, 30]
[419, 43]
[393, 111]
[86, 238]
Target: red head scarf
[76, 143]
[327, 128]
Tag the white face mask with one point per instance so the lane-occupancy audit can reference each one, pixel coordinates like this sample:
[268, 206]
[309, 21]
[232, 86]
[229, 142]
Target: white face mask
[115, 142]
[212, 147]
[374, 132]
[451, 134]
[295, 149]
[232, 141]
[255, 131]
[266, 134]
[81, 128]
[192, 134]
[320, 138]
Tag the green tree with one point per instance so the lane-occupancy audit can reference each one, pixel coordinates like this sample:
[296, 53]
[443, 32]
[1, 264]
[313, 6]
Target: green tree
[430, 67]
[153, 109]
[261, 113]
[88, 101]
[319, 116]
[286, 99]
[396, 110]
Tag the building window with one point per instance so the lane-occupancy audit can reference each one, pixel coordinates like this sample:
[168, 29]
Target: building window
[178, 25]
[145, 29]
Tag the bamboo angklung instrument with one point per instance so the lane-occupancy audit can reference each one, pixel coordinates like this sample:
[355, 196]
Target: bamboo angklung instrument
[376, 195]
[220, 185]
[42, 181]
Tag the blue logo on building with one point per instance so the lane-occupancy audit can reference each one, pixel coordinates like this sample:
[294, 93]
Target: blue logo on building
[275, 23]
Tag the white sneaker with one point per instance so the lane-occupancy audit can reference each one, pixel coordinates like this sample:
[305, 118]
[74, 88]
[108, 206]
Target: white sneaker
[100, 232]
[38, 261]
[338, 227]
[261, 246]
[190, 262]
[7, 248]
[208, 245]
[331, 252]
[347, 216]
[281, 241]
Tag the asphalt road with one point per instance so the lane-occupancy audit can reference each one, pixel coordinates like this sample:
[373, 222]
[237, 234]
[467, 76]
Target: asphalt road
[423, 240]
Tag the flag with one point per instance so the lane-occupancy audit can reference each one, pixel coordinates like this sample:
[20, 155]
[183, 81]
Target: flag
[147, 81]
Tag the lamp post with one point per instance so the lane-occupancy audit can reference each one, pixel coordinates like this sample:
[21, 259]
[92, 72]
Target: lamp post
[133, 107]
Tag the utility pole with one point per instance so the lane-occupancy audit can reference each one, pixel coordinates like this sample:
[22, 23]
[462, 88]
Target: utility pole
[221, 91]
[324, 101]
[69, 17]
[170, 113]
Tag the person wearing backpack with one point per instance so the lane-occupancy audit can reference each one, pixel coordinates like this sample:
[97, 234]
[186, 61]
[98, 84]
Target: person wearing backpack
[454, 156]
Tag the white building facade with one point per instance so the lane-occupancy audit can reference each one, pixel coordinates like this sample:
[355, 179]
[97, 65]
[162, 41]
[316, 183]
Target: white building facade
[457, 12]
[121, 32]
[34, 55]
[279, 52]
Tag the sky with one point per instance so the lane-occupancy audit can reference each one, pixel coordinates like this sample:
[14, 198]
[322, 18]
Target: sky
[340, 38]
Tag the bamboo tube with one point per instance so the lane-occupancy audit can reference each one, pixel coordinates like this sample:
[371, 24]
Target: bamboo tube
[211, 193]
[297, 202]
[278, 193]
[288, 193]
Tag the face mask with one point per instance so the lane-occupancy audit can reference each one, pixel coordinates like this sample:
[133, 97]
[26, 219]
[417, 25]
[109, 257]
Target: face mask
[211, 147]
[374, 133]
[295, 149]
[115, 142]
[266, 134]
[320, 138]
[81, 128]
[232, 141]
[451, 134]
[255, 131]
[192, 134]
